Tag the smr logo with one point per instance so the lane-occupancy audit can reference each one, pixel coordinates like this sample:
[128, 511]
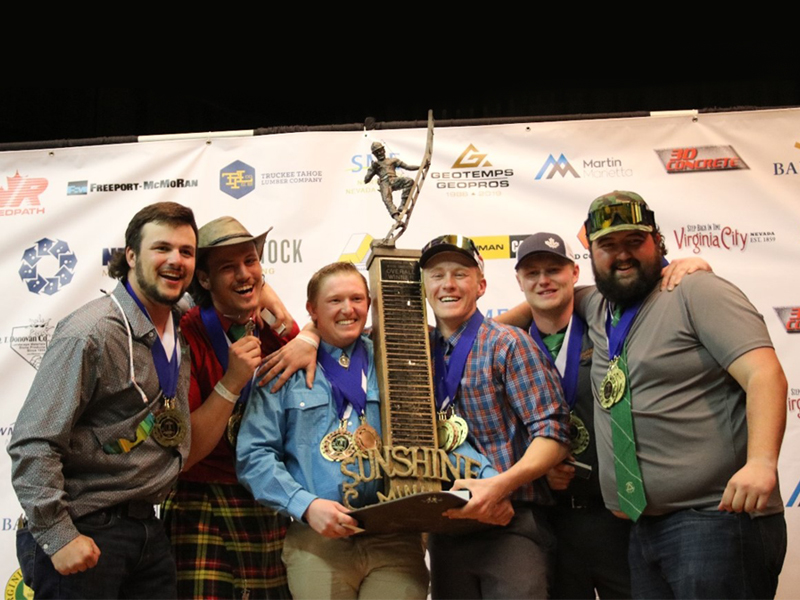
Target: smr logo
[237, 179]
[22, 190]
[552, 166]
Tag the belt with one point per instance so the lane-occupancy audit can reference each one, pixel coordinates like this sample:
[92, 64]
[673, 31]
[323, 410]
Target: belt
[579, 502]
[134, 509]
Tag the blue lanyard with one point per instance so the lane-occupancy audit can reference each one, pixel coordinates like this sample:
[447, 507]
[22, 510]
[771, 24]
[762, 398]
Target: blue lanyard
[346, 384]
[569, 379]
[447, 376]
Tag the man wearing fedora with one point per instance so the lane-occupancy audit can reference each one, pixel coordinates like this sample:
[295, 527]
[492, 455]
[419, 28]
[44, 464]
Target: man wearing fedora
[226, 544]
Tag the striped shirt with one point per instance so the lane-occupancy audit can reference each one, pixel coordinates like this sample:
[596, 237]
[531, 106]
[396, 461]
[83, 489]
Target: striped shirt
[509, 394]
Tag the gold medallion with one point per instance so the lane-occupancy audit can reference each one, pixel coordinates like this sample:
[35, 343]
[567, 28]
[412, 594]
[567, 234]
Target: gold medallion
[578, 434]
[445, 434]
[169, 428]
[344, 360]
[338, 445]
[367, 438]
[612, 389]
[234, 422]
[462, 429]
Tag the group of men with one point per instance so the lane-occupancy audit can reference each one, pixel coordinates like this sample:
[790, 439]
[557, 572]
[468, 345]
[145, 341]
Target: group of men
[672, 406]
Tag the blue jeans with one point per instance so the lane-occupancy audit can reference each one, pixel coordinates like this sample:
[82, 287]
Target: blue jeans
[707, 554]
[135, 561]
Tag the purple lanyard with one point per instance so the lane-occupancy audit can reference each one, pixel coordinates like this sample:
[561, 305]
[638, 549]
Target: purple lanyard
[617, 334]
[569, 380]
[219, 342]
[448, 375]
[346, 384]
[167, 370]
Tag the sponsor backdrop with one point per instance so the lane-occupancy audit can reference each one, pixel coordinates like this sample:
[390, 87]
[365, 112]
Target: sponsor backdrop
[724, 187]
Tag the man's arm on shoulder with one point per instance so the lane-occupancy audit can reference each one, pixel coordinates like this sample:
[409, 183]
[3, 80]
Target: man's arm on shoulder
[761, 376]
[518, 316]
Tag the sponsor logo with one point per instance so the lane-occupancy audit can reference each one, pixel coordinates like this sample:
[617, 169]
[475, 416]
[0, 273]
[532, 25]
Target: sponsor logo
[498, 246]
[494, 312]
[700, 158]
[237, 179]
[362, 162]
[357, 250]
[81, 188]
[288, 177]
[715, 235]
[108, 253]
[790, 317]
[21, 196]
[605, 168]
[283, 251]
[16, 588]
[30, 341]
[552, 166]
[54, 254]
[473, 174]
[787, 168]
[77, 188]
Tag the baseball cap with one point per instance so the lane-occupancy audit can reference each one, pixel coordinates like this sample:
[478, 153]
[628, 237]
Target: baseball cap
[619, 211]
[451, 243]
[543, 242]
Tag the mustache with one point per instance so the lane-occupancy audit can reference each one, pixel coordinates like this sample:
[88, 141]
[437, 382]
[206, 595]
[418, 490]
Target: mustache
[631, 262]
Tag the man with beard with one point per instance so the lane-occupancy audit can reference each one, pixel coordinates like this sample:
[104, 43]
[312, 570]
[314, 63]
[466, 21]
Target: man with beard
[226, 544]
[104, 430]
[690, 417]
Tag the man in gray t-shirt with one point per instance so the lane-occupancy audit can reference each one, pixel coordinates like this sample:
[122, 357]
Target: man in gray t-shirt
[705, 395]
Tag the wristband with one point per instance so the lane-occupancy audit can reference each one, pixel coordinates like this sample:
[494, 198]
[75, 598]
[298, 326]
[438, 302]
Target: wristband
[225, 393]
[308, 340]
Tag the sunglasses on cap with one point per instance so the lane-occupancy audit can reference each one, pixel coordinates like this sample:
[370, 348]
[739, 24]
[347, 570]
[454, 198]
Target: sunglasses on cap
[451, 243]
[619, 217]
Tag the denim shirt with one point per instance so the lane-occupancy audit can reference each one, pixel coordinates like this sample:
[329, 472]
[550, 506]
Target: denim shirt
[278, 457]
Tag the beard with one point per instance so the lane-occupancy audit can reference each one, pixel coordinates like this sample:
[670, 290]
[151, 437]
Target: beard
[627, 292]
[150, 289]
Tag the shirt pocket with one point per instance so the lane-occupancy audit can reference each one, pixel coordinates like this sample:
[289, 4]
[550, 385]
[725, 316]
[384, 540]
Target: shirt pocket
[310, 416]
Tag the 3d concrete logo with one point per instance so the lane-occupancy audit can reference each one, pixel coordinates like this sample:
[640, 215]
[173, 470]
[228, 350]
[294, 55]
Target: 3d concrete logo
[43, 254]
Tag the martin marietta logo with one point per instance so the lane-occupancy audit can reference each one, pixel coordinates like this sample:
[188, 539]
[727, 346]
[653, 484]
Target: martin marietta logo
[692, 159]
[30, 341]
[787, 168]
[790, 317]
[472, 170]
[556, 166]
[237, 179]
[21, 196]
[58, 262]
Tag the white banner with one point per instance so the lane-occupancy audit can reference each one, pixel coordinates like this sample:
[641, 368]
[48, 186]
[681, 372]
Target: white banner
[723, 186]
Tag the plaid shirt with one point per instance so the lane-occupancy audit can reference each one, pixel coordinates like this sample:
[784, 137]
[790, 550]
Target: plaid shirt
[509, 395]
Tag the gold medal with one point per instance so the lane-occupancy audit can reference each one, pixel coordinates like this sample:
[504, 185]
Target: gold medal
[366, 437]
[612, 389]
[234, 422]
[578, 434]
[444, 433]
[462, 429]
[338, 445]
[169, 428]
[344, 360]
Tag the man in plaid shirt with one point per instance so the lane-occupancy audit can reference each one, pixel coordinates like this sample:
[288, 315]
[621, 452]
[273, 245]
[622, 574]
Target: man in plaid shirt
[501, 384]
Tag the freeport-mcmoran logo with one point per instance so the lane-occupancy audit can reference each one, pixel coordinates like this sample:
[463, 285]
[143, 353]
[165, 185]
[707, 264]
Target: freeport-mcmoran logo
[21, 196]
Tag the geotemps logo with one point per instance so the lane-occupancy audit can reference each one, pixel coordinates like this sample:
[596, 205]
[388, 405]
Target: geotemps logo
[47, 266]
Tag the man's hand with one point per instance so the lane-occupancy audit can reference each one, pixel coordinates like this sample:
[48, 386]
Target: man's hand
[271, 301]
[560, 476]
[749, 488]
[672, 274]
[80, 554]
[328, 518]
[294, 356]
[489, 502]
[244, 355]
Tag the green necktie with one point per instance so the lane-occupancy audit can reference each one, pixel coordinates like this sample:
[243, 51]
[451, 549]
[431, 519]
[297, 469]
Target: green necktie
[630, 490]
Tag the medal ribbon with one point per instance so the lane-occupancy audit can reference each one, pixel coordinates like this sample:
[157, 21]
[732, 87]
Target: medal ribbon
[630, 488]
[447, 376]
[569, 357]
[347, 385]
[220, 343]
[167, 370]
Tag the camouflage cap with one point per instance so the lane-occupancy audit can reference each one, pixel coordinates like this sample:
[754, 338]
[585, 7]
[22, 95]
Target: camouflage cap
[619, 211]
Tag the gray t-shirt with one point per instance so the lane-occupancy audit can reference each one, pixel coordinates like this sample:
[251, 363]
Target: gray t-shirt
[688, 412]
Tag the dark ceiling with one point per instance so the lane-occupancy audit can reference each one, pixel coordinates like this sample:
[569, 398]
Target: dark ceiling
[44, 114]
